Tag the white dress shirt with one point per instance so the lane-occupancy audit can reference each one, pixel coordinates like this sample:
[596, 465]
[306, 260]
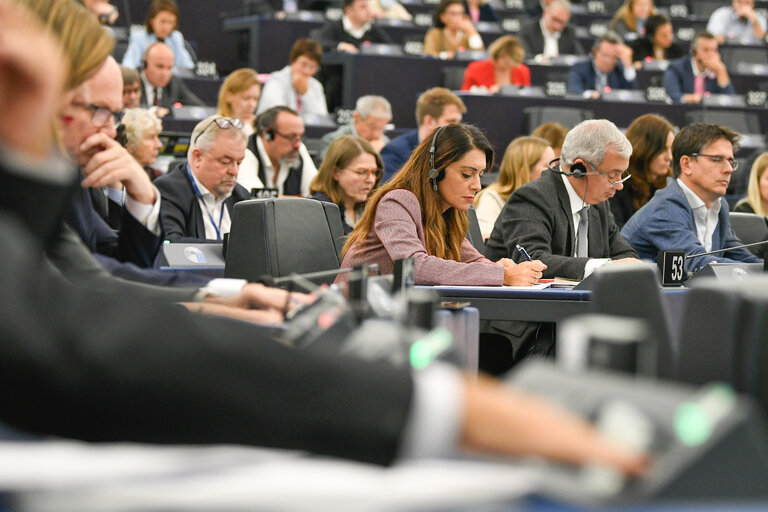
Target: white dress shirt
[213, 210]
[577, 203]
[248, 175]
[706, 219]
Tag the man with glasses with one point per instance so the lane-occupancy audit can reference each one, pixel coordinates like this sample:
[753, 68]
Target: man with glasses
[199, 194]
[276, 157]
[89, 137]
[609, 68]
[690, 213]
[563, 218]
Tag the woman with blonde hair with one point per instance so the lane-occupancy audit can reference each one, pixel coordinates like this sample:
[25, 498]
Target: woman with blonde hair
[421, 213]
[757, 190]
[524, 160]
[239, 97]
[350, 171]
[504, 67]
[630, 18]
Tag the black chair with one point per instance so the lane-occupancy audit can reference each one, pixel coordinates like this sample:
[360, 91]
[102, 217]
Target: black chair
[570, 117]
[633, 291]
[474, 235]
[453, 77]
[703, 8]
[737, 120]
[750, 228]
[281, 236]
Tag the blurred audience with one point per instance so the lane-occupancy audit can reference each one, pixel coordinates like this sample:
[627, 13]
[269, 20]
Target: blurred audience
[294, 85]
[369, 120]
[658, 43]
[142, 138]
[239, 97]
[689, 79]
[757, 190]
[480, 10]
[161, 23]
[504, 67]
[131, 87]
[650, 165]
[104, 11]
[609, 68]
[630, 20]
[554, 133]
[452, 32]
[352, 30]
[161, 89]
[435, 107]
[350, 171]
[524, 160]
[551, 35]
[390, 9]
[738, 23]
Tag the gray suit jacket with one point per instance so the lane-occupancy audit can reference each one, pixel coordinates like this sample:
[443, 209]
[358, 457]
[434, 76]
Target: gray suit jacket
[538, 217]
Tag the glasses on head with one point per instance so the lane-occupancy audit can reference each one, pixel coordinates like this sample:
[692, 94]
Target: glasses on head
[365, 173]
[719, 160]
[100, 116]
[223, 123]
[293, 139]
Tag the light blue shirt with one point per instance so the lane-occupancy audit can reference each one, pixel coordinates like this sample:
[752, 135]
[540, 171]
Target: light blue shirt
[725, 22]
[141, 40]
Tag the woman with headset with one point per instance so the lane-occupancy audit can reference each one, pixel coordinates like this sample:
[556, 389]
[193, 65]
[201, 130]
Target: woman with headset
[421, 213]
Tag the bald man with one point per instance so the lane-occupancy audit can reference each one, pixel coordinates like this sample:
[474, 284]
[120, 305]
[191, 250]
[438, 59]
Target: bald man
[160, 87]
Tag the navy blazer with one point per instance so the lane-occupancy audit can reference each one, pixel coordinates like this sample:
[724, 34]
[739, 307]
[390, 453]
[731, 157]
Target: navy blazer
[538, 217]
[533, 40]
[135, 243]
[678, 80]
[583, 76]
[180, 211]
[665, 223]
[397, 152]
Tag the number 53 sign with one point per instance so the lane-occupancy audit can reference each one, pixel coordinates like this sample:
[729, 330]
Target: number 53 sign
[672, 267]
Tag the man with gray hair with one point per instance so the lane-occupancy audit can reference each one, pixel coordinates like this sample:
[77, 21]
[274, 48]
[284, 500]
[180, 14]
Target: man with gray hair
[551, 35]
[198, 196]
[370, 118]
[563, 218]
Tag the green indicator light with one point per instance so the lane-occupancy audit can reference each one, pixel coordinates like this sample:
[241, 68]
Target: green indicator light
[427, 349]
[692, 424]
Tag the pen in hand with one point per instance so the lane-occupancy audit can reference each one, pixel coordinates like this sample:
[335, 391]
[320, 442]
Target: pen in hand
[522, 251]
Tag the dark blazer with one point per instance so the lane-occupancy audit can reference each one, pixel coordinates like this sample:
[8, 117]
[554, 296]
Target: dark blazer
[175, 92]
[96, 366]
[135, 243]
[107, 209]
[538, 217]
[180, 212]
[582, 77]
[642, 48]
[397, 152]
[533, 40]
[487, 13]
[678, 80]
[333, 33]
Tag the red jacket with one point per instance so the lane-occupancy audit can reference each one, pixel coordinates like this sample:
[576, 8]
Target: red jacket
[481, 72]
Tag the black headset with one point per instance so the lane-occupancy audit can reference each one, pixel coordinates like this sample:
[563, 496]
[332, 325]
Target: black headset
[263, 129]
[578, 170]
[434, 174]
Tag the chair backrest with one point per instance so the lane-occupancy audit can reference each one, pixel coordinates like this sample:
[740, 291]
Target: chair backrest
[474, 235]
[633, 291]
[737, 120]
[277, 237]
[570, 117]
[750, 228]
[453, 77]
[704, 8]
[733, 55]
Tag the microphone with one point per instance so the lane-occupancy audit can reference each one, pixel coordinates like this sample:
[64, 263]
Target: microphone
[744, 246]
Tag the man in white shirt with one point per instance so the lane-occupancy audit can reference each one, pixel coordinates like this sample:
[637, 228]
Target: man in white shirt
[199, 195]
[551, 35]
[690, 213]
[738, 23]
[276, 156]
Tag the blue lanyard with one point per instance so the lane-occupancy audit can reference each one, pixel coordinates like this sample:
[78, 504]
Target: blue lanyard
[200, 196]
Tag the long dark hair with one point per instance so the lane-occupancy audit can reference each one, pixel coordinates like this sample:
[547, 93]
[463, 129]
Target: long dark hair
[648, 135]
[443, 232]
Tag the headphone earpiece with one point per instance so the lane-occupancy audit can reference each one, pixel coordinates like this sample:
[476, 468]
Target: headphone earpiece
[434, 175]
[144, 64]
[269, 134]
[578, 170]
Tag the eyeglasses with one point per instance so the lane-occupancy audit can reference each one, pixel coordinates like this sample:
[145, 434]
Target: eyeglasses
[364, 173]
[100, 115]
[615, 178]
[293, 139]
[223, 123]
[719, 160]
